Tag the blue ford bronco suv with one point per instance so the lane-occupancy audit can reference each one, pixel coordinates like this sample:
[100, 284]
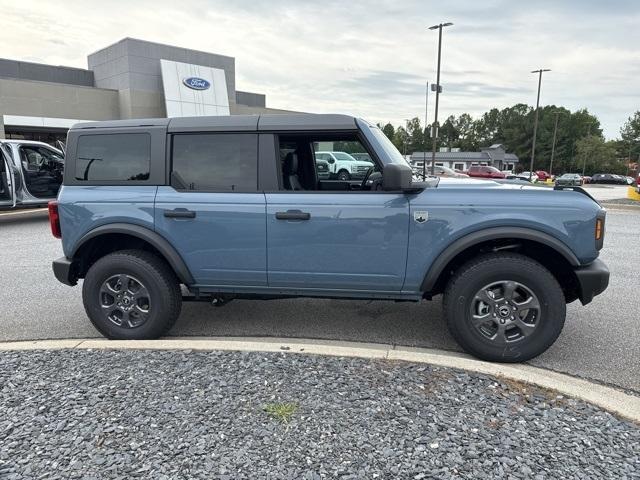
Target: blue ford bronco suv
[156, 212]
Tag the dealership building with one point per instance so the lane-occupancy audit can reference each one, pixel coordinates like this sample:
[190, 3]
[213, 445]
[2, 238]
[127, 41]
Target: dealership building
[129, 79]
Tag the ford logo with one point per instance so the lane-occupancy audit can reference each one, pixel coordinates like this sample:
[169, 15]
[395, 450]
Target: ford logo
[196, 83]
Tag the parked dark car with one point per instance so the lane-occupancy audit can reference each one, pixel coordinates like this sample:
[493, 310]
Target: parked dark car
[607, 178]
[569, 180]
[322, 167]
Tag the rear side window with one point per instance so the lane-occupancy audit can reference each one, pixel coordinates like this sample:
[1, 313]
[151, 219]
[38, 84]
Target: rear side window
[113, 157]
[225, 162]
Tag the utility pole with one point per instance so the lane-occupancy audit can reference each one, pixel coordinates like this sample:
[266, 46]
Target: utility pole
[584, 160]
[406, 137]
[424, 150]
[438, 90]
[557, 113]
[535, 123]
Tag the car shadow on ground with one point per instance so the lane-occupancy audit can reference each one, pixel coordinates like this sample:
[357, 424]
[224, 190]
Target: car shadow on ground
[405, 323]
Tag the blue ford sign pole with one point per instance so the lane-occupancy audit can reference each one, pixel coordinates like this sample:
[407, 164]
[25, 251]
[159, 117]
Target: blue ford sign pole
[196, 83]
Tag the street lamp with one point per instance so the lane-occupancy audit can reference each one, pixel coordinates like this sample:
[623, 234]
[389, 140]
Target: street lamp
[557, 113]
[406, 137]
[535, 123]
[438, 89]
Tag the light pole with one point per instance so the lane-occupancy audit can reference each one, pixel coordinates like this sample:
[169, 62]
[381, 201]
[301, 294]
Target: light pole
[406, 137]
[535, 123]
[438, 90]
[426, 112]
[557, 113]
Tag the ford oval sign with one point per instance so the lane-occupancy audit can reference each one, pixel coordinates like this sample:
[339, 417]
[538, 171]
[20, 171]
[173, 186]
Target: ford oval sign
[196, 83]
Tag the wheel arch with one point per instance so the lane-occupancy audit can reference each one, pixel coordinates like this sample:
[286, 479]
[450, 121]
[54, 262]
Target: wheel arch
[112, 237]
[552, 253]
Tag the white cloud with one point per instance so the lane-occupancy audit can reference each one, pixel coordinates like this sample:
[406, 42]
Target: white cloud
[369, 58]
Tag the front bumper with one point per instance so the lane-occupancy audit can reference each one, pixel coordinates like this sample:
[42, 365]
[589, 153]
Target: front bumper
[592, 280]
[63, 269]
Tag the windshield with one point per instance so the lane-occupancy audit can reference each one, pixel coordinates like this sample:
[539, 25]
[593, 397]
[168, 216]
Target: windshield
[390, 149]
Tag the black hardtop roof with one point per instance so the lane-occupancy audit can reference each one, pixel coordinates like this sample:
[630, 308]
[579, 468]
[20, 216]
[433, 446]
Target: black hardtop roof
[266, 122]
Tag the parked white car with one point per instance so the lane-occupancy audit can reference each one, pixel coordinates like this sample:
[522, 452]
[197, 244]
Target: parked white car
[30, 173]
[343, 166]
[534, 176]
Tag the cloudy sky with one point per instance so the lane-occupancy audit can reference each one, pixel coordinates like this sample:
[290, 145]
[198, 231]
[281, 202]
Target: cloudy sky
[368, 58]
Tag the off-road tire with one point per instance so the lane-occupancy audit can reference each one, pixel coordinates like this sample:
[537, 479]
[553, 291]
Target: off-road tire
[495, 267]
[158, 278]
[344, 176]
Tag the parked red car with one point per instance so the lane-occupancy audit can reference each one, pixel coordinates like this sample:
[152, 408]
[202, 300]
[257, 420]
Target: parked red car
[484, 171]
[542, 175]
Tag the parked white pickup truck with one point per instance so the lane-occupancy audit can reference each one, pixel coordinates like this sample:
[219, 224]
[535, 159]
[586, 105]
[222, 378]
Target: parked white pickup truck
[343, 166]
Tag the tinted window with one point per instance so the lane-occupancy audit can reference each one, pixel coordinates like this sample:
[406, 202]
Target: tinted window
[218, 161]
[113, 157]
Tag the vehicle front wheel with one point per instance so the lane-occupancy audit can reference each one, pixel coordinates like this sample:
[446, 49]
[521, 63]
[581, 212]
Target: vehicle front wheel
[343, 175]
[504, 307]
[132, 295]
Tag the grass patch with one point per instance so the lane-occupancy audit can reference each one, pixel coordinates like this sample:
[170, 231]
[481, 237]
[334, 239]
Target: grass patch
[281, 411]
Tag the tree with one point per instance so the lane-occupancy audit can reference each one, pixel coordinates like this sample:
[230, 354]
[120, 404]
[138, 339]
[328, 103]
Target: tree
[598, 156]
[630, 133]
[388, 130]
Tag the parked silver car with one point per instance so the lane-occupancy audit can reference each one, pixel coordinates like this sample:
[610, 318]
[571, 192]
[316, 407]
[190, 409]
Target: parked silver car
[30, 173]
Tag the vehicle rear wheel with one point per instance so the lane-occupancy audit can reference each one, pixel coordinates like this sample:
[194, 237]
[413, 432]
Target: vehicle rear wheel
[132, 295]
[504, 307]
[343, 175]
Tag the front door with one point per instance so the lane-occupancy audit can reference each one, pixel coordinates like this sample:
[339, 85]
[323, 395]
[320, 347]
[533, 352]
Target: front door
[213, 213]
[7, 189]
[346, 241]
[333, 234]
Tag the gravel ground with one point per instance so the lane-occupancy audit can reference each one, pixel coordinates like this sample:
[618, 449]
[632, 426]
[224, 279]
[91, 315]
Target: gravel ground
[166, 415]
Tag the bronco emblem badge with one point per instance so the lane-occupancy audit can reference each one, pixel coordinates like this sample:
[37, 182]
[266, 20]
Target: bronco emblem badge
[420, 216]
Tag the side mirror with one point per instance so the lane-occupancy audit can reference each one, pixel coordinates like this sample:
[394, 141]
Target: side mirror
[331, 161]
[396, 176]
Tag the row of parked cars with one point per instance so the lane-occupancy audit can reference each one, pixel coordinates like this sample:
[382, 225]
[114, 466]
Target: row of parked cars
[566, 179]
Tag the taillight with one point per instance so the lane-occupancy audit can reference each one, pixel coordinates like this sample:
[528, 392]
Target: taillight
[54, 219]
[599, 232]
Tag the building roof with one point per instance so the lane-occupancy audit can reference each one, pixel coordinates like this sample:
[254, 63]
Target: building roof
[483, 156]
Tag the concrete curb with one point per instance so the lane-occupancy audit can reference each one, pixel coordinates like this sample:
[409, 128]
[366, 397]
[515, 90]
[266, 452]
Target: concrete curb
[608, 398]
[620, 206]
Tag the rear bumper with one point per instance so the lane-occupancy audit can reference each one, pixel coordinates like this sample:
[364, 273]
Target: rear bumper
[592, 280]
[63, 269]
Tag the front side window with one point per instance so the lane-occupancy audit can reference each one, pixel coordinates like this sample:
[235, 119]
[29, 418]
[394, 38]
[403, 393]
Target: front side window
[36, 158]
[113, 157]
[226, 162]
[325, 161]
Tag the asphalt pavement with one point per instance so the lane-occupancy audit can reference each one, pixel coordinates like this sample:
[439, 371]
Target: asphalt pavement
[600, 341]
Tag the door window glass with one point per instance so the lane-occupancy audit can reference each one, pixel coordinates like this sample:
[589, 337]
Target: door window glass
[325, 162]
[225, 162]
[113, 157]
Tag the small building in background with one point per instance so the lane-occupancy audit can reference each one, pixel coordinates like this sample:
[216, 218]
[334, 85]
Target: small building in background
[495, 155]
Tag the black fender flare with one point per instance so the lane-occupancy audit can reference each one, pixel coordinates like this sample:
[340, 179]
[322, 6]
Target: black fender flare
[471, 239]
[153, 238]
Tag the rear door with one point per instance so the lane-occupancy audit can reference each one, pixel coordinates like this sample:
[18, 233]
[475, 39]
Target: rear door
[7, 188]
[212, 211]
